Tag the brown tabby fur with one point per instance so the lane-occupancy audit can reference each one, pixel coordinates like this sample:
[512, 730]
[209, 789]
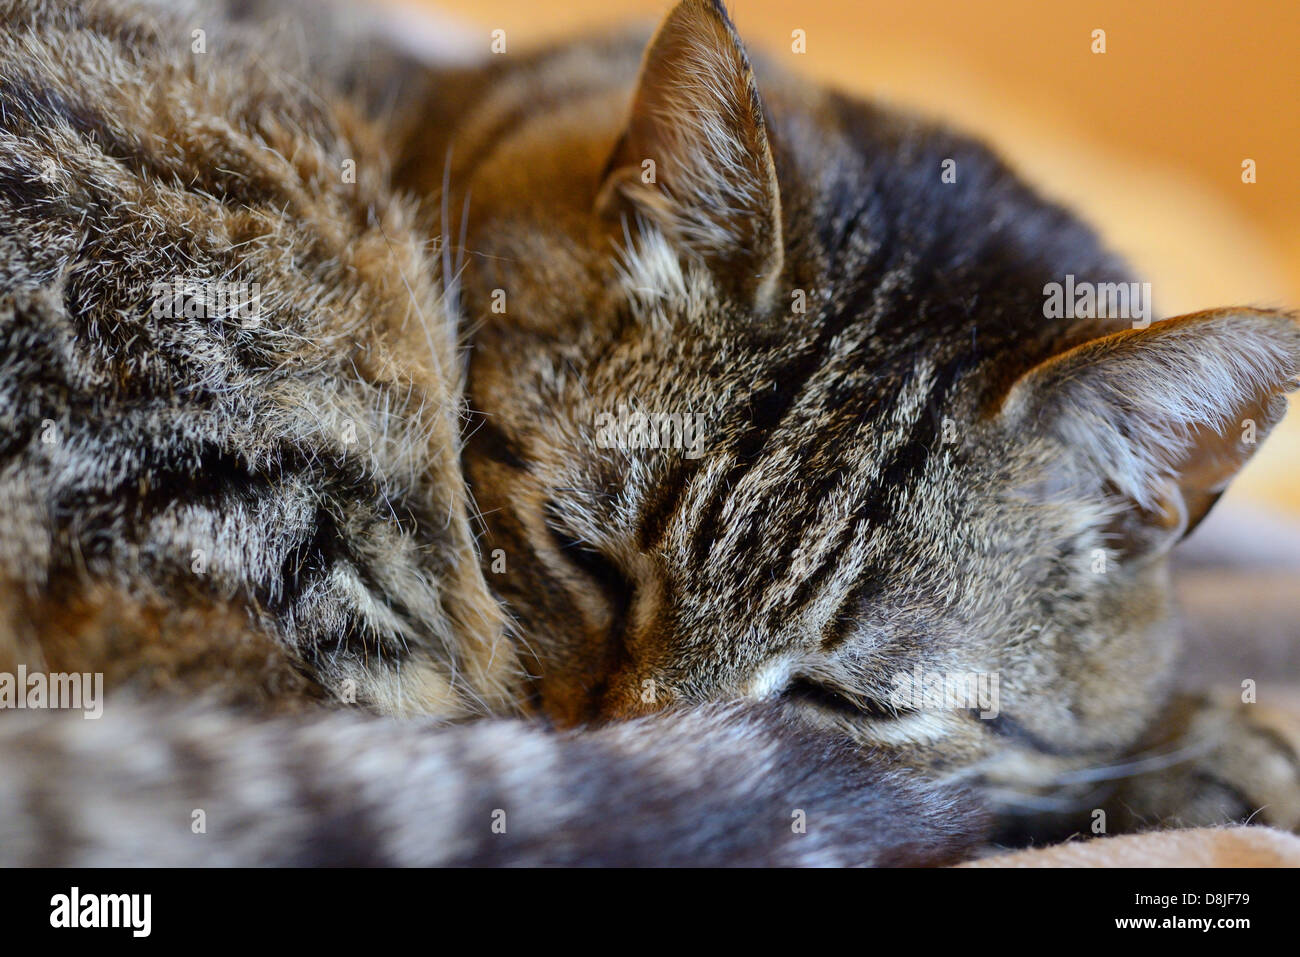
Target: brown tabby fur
[916, 470]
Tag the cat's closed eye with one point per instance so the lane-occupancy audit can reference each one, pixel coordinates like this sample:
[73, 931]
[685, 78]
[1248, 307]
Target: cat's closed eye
[617, 589]
[837, 701]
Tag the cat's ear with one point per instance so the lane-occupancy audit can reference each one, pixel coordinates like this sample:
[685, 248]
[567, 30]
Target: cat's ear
[1162, 417]
[694, 158]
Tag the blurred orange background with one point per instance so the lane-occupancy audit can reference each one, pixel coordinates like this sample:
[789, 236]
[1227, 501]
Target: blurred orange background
[1146, 141]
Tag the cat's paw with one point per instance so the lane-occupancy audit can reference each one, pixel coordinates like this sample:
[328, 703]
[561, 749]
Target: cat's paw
[1258, 755]
[1235, 763]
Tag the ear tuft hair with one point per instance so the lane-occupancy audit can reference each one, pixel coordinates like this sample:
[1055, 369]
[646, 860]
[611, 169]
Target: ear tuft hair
[695, 159]
[1169, 414]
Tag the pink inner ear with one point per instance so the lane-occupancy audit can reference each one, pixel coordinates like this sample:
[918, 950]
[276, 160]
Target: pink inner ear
[1163, 416]
[1214, 459]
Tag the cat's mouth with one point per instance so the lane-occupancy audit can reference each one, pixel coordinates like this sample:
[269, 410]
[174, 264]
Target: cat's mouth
[839, 701]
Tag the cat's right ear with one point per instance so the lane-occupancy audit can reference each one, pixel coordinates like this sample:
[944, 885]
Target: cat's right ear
[1160, 419]
[694, 159]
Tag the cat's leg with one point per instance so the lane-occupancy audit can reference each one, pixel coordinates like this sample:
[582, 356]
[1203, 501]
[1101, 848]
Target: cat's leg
[726, 785]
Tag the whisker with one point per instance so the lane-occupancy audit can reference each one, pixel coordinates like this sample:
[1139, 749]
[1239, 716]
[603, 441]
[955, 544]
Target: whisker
[1142, 765]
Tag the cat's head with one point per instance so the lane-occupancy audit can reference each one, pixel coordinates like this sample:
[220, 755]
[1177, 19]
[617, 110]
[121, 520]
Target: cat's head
[887, 464]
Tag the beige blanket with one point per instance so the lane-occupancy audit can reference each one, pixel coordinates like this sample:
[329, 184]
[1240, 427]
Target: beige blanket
[1198, 847]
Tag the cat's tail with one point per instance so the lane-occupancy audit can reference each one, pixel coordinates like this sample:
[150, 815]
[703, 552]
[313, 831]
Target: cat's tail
[725, 785]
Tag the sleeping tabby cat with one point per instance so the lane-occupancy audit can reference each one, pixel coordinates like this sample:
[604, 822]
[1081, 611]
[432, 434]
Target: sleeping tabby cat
[308, 534]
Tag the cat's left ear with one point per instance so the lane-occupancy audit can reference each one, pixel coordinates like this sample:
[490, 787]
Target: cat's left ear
[694, 158]
[1163, 417]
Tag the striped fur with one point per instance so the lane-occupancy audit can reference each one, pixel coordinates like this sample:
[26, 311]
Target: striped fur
[328, 506]
[722, 786]
[919, 469]
[305, 461]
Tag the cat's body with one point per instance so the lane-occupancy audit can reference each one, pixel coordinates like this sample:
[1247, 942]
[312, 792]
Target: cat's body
[904, 467]
[230, 457]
